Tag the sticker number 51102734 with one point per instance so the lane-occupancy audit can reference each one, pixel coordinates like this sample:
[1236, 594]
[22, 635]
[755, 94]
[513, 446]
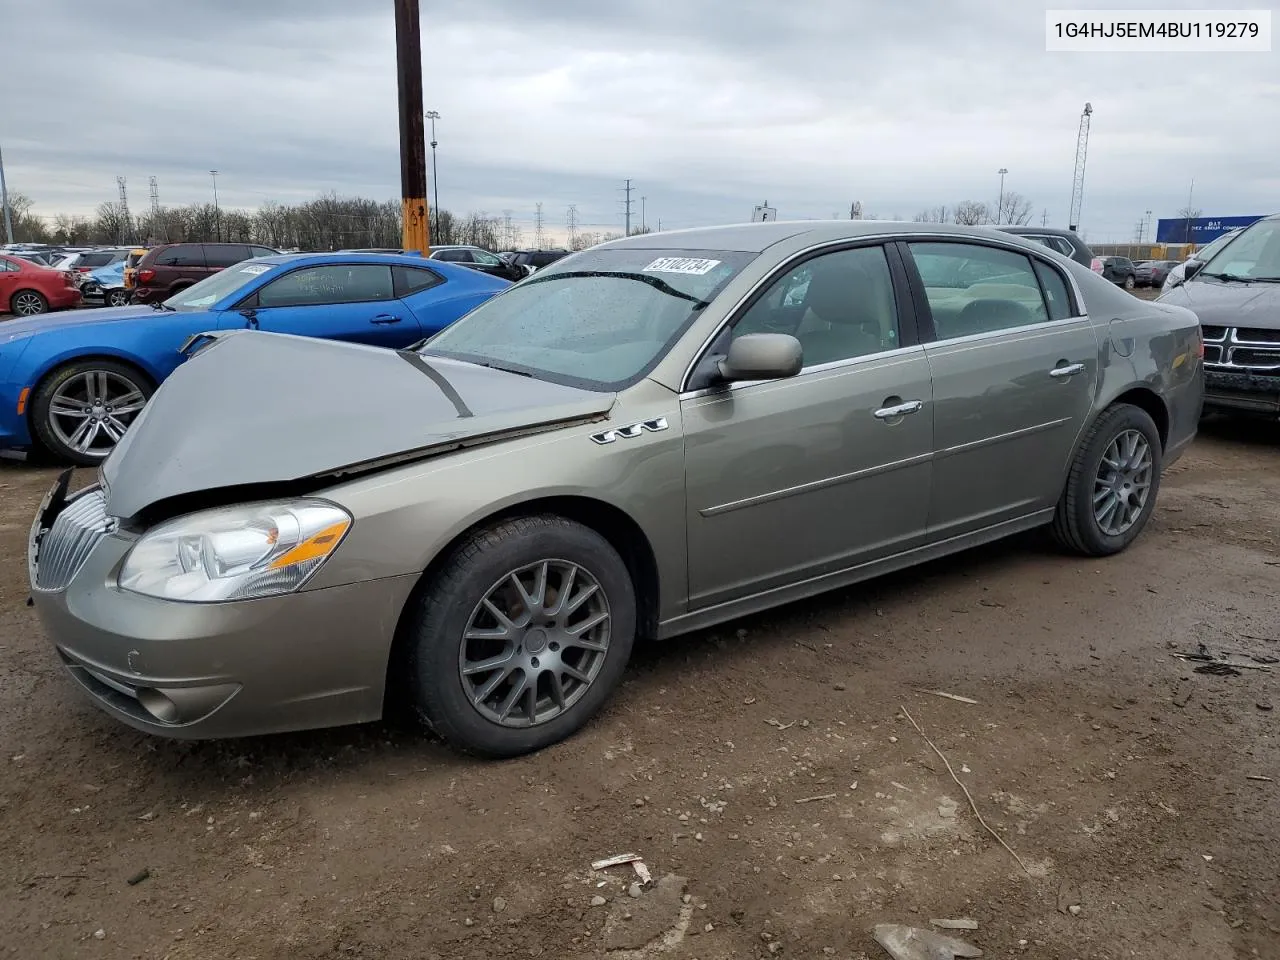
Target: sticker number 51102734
[689, 265]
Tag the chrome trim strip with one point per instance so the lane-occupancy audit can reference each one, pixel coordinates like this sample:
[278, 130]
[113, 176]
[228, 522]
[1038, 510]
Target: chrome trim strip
[1050, 326]
[1000, 437]
[898, 353]
[813, 485]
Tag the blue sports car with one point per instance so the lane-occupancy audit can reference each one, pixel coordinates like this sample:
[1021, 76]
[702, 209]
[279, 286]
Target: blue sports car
[72, 382]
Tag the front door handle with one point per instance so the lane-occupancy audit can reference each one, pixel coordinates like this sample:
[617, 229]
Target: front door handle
[898, 410]
[385, 318]
[1070, 370]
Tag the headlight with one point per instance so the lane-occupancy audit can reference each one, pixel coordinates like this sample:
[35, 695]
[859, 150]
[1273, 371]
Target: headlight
[235, 553]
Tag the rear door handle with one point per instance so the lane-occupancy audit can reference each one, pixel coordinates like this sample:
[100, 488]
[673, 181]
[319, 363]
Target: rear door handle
[1069, 370]
[385, 318]
[898, 410]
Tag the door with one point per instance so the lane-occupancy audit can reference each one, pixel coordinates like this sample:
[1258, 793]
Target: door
[9, 273]
[1015, 371]
[795, 478]
[341, 301]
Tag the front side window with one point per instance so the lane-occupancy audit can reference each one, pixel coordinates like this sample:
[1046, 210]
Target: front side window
[975, 289]
[838, 305]
[600, 323]
[332, 283]
[488, 259]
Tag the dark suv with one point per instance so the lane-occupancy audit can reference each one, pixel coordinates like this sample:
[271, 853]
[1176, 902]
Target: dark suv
[477, 258]
[1120, 270]
[1064, 242]
[171, 267]
[537, 259]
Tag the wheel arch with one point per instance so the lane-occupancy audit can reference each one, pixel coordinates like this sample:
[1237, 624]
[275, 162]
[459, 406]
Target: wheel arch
[1146, 399]
[51, 367]
[613, 523]
[36, 290]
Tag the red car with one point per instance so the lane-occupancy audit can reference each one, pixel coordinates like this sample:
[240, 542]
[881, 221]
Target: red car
[27, 289]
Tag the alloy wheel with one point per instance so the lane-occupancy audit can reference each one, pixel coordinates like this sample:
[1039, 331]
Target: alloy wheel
[1123, 483]
[91, 412]
[535, 643]
[117, 298]
[28, 304]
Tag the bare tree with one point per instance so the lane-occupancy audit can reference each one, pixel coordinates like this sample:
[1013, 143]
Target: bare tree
[1014, 208]
[972, 212]
[933, 215]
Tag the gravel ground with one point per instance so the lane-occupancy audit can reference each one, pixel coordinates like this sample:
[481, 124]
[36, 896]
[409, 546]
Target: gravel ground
[765, 771]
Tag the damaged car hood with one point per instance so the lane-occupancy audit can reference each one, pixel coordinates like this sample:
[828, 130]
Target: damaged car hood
[1228, 304]
[261, 408]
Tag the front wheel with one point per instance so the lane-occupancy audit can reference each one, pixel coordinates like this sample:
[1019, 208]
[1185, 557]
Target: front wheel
[82, 410]
[1112, 485]
[521, 637]
[1130, 282]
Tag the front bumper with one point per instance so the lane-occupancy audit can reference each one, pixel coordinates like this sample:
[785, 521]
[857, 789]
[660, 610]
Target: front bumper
[1246, 393]
[202, 671]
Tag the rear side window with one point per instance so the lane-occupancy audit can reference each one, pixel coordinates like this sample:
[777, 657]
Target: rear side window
[454, 256]
[225, 254]
[263, 252]
[8, 266]
[1056, 296]
[95, 259]
[183, 255]
[414, 280]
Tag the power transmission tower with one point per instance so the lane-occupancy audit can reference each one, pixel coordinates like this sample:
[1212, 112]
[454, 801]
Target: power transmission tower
[571, 224]
[538, 236]
[855, 210]
[643, 217]
[1077, 181]
[1044, 218]
[627, 207]
[124, 210]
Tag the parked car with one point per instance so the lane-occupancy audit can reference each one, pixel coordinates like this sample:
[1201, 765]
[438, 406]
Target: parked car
[650, 438]
[1120, 271]
[106, 284]
[1152, 273]
[1201, 256]
[39, 257]
[1236, 294]
[27, 289]
[479, 259]
[131, 261]
[534, 260]
[171, 267]
[74, 386]
[90, 260]
[1065, 242]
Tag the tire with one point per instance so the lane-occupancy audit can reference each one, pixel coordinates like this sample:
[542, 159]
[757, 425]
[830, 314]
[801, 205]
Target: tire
[1130, 282]
[451, 605]
[1075, 526]
[118, 297]
[66, 385]
[28, 303]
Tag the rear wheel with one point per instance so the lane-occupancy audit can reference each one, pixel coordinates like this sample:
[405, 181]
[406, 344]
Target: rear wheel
[1130, 282]
[81, 411]
[28, 303]
[1112, 485]
[119, 297]
[522, 636]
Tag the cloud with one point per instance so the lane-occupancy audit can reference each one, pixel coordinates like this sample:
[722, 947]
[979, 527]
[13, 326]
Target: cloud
[709, 108]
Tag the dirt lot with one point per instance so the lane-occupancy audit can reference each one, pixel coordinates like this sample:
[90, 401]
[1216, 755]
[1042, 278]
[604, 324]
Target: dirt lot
[1117, 774]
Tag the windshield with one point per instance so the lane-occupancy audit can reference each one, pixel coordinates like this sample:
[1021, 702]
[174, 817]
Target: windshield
[203, 295]
[1211, 250]
[599, 319]
[1253, 255]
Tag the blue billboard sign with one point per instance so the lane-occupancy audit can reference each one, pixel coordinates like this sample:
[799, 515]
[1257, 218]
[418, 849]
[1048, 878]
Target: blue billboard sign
[1199, 231]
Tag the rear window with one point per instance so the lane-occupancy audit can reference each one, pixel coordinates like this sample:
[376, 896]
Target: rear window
[94, 259]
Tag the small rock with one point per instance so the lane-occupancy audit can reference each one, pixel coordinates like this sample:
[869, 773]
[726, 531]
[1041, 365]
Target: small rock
[698, 837]
[893, 739]
[598, 901]
[639, 802]
[1075, 909]
[99, 934]
[1263, 705]
[499, 904]
[841, 686]
[709, 927]
[633, 891]
[626, 916]
[687, 898]
[774, 946]
[683, 818]
[468, 922]
[147, 817]
[829, 951]
[138, 877]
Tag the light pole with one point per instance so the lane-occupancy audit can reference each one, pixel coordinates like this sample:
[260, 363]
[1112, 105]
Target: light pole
[1000, 203]
[217, 214]
[433, 116]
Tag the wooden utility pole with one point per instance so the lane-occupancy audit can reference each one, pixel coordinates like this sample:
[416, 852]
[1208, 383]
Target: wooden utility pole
[416, 221]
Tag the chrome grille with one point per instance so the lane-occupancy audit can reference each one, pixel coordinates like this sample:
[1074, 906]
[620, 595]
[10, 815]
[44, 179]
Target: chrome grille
[1242, 349]
[66, 545]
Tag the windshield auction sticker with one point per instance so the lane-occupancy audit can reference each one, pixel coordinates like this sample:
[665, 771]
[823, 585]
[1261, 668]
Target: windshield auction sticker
[255, 269]
[687, 265]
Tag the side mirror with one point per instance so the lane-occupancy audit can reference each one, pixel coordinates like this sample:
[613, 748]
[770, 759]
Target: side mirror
[1191, 269]
[761, 356]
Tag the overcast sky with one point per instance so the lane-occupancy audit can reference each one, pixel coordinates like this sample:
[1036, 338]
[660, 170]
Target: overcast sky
[709, 106]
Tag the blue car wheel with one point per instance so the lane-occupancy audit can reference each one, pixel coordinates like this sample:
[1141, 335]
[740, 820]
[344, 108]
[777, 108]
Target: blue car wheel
[83, 409]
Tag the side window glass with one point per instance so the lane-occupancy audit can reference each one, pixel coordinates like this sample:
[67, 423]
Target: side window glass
[978, 289]
[413, 280]
[839, 306]
[336, 283]
[488, 259]
[1055, 292]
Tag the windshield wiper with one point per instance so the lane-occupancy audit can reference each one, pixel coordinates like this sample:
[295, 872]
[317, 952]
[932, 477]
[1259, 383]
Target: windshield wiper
[660, 285]
[1230, 277]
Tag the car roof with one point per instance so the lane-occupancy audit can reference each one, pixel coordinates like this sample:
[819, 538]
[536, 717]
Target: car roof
[758, 237]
